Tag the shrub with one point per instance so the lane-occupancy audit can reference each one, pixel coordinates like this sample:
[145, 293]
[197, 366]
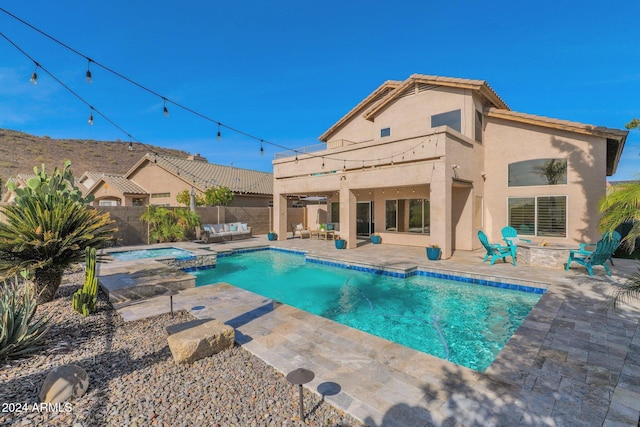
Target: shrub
[20, 333]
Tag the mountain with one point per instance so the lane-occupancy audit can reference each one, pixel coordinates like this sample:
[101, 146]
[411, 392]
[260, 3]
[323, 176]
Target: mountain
[20, 152]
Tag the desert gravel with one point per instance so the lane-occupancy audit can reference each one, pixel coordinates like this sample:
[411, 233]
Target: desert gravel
[135, 382]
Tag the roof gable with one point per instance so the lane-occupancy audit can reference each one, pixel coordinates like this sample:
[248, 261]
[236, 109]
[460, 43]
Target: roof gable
[479, 86]
[374, 97]
[391, 90]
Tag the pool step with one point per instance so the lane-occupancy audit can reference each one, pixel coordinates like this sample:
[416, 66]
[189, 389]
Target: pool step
[129, 282]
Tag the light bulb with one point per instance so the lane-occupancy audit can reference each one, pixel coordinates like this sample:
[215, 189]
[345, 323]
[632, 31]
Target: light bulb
[88, 74]
[219, 134]
[261, 149]
[130, 147]
[34, 78]
[165, 110]
[90, 121]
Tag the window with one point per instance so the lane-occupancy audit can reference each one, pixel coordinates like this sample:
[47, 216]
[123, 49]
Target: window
[109, 203]
[160, 195]
[138, 201]
[335, 212]
[408, 215]
[538, 172]
[391, 215]
[539, 216]
[450, 118]
[478, 127]
[385, 132]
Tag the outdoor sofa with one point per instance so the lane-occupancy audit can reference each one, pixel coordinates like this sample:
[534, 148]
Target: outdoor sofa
[211, 233]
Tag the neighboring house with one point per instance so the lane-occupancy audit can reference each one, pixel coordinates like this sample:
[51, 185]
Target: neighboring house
[20, 181]
[157, 180]
[111, 189]
[432, 160]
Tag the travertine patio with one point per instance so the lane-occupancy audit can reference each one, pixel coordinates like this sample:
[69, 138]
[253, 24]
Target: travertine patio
[571, 362]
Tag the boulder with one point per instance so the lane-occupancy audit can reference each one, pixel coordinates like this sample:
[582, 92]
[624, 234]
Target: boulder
[198, 339]
[63, 383]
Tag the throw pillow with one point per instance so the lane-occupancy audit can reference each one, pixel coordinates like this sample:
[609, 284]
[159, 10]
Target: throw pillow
[233, 228]
[244, 227]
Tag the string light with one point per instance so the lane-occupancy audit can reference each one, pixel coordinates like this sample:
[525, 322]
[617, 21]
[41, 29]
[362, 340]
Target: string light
[165, 110]
[90, 121]
[261, 148]
[130, 147]
[344, 166]
[34, 75]
[296, 157]
[88, 75]
[322, 163]
[219, 135]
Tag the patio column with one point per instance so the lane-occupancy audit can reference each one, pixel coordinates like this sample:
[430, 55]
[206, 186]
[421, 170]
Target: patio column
[348, 217]
[280, 215]
[440, 202]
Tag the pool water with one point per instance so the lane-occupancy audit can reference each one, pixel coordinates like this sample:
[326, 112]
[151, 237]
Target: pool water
[151, 253]
[464, 323]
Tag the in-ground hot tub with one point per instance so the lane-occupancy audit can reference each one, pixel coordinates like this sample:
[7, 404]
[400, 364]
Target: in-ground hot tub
[552, 255]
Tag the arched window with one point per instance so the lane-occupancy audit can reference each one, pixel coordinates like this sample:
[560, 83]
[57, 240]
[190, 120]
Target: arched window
[538, 172]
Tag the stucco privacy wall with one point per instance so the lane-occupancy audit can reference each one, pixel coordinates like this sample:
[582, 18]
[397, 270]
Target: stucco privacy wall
[508, 142]
[133, 231]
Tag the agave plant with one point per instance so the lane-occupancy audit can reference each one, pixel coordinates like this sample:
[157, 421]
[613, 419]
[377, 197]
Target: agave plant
[20, 333]
[47, 230]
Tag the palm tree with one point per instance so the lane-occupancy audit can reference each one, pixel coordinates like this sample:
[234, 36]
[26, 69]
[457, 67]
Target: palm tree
[554, 170]
[45, 233]
[622, 205]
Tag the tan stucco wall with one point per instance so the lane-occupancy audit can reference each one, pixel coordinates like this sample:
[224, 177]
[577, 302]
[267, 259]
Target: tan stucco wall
[508, 142]
[465, 198]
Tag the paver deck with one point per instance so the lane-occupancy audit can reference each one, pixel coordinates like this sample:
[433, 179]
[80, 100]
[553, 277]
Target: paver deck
[571, 363]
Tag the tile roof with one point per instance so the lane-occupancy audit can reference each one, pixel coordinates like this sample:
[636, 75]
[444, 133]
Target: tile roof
[122, 184]
[556, 123]
[204, 175]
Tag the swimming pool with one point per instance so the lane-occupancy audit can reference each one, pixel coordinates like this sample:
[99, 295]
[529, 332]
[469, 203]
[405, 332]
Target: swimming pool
[464, 323]
[151, 253]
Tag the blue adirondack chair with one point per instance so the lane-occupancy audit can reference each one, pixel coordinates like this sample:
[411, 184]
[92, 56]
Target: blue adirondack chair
[605, 248]
[495, 251]
[588, 248]
[510, 237]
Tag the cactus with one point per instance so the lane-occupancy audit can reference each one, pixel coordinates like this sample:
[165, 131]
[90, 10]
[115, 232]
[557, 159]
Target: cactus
[86, 299]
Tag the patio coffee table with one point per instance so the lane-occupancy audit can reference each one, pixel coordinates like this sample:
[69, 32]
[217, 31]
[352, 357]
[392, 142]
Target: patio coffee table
[323, 233]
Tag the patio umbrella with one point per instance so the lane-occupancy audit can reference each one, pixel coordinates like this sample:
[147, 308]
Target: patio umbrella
[192, 200]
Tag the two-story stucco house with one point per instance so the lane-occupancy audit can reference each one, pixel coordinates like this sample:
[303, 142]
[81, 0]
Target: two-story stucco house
[432, 160]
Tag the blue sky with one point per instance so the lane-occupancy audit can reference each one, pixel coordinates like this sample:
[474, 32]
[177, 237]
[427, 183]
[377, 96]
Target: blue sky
[285, 71]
